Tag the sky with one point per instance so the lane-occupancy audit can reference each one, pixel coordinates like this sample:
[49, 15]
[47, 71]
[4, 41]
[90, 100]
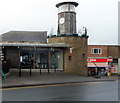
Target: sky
[99, 16]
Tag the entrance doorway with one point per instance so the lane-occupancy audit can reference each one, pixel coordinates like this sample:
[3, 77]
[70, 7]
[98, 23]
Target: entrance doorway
[41, 61]
[26, 60]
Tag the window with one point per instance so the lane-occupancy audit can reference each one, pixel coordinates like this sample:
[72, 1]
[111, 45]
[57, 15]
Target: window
[69, 57]
[66, 8]
[96, 51]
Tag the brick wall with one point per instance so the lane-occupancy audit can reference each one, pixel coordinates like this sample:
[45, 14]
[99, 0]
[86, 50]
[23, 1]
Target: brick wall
[113, 51]
[103, 48]
[107, 50]
[78, 62]
[119, 52]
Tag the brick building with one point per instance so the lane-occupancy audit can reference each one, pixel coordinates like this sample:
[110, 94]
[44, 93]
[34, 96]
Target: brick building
[75, 57]
[65, 51]
[33, 53]
[104, 57]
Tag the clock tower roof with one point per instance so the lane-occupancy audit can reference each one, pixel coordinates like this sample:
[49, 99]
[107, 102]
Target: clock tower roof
[62, 3]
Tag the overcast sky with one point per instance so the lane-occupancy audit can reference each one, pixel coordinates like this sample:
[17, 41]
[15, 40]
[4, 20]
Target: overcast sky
[99, 16]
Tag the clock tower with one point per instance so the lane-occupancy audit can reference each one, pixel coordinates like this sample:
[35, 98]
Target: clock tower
[75, 54]
[66, 18]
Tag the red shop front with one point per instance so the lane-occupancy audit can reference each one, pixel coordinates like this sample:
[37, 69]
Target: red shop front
[98, 65]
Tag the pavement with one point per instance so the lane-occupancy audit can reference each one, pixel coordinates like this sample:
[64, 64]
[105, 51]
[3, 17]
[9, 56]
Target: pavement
[13, 79]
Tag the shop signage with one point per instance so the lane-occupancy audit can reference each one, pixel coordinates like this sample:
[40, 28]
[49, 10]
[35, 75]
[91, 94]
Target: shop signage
[110, 59]
[112, 69]
[99, 60]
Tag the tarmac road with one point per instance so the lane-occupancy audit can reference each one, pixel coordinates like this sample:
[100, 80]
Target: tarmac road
[88, 91]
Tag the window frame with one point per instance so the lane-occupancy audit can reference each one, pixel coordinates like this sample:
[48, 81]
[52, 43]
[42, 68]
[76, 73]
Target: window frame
[99, 51]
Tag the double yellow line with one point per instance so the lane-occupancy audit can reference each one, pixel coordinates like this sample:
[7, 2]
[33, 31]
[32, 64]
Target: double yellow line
[48, 85]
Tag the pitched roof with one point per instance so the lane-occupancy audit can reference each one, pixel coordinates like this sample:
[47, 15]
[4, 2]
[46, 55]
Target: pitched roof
[25, 36]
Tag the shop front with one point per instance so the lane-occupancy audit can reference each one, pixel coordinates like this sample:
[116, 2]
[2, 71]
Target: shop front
[114, 66]
[41, 56]
[98, 66]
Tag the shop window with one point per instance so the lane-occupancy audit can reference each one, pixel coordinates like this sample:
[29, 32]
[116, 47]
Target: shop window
[26, 60]
[83, 55]
[96, 51]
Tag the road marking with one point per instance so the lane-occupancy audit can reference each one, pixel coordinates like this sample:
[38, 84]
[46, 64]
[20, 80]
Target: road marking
[49, 85]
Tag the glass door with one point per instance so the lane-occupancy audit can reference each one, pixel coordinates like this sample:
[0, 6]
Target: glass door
[41, 61]
[44, 60]
[26, 60]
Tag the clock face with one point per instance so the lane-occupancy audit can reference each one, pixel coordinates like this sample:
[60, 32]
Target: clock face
[62, 20]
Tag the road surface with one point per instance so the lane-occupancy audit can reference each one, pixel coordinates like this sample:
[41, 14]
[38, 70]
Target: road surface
[89, 91]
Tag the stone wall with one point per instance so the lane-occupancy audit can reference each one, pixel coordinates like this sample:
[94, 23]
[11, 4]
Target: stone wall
[75, 60]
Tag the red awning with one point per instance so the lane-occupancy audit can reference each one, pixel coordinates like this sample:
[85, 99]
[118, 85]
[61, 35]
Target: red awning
[94, 65]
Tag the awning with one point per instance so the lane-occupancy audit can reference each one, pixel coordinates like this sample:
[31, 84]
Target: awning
[29, 44]
[90, 65]
[39, 50]
[94, 65]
